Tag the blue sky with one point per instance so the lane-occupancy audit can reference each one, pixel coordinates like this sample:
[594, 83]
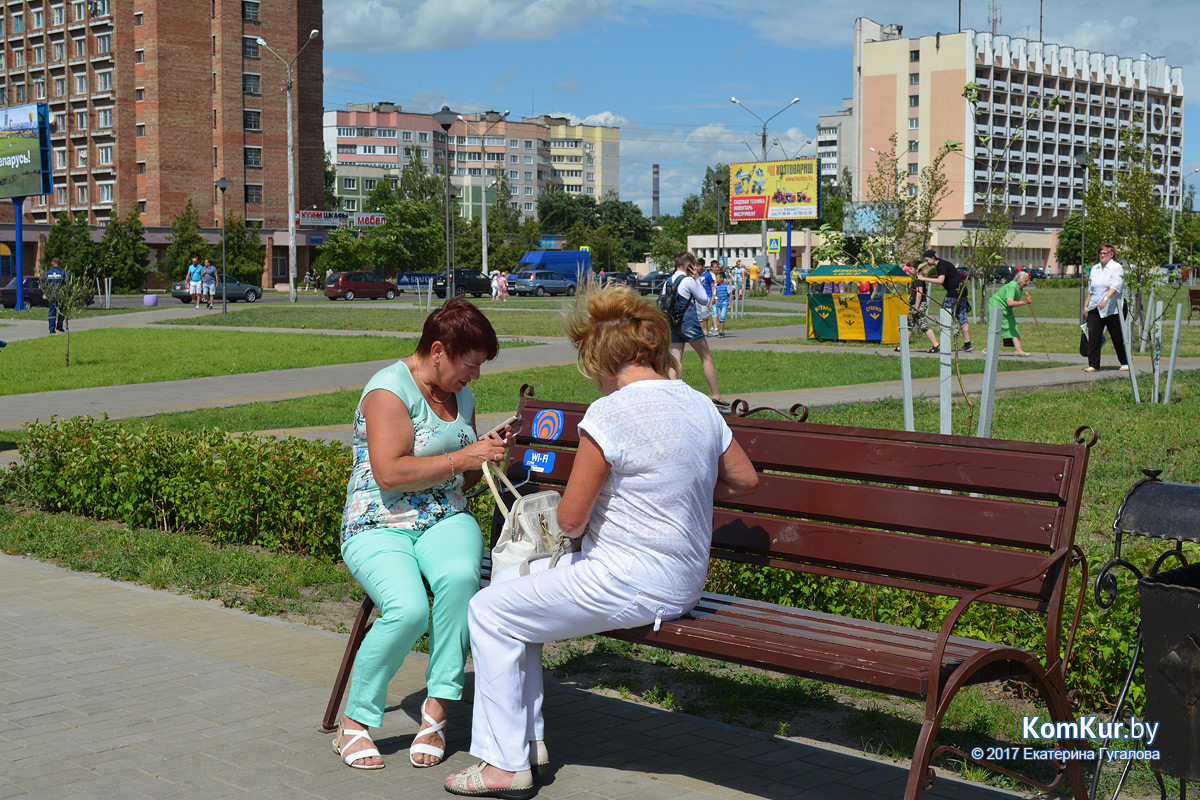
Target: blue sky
[664, 70]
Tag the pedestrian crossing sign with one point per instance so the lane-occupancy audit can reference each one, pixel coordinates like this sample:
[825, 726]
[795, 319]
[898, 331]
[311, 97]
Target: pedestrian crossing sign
[773, 244]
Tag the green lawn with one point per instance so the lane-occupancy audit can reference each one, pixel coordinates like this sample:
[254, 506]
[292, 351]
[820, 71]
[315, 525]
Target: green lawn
[506, 322]
[140, 355]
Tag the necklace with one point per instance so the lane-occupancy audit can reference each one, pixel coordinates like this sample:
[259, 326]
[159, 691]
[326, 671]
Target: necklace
[429, 390]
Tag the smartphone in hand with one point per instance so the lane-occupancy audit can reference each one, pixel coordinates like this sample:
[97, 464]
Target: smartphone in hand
[514, 420]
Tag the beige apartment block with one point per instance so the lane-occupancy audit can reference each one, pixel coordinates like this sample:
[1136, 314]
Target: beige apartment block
[586, 157]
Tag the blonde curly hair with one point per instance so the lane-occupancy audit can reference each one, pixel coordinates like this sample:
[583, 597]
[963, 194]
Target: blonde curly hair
[615, 327]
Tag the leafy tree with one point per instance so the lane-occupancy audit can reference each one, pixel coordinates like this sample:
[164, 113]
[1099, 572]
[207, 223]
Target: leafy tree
[124, 257]
[69, 298]
[629, 225]
[418, 182]
[503, 216]
[186, 242]
[507, 255]
[382, 195]
[412, 239]
[607, 252]
[1070, 248]
[579, 235]
[468, 243]
[245, 253]
[343, 251]
[558, 211]
[331, 201]
[668, 240]
[70, 240]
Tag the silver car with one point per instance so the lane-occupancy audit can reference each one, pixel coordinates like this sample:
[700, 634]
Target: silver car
[541, 282]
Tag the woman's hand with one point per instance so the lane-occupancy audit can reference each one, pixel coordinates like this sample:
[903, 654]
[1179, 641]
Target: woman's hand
[489, 448]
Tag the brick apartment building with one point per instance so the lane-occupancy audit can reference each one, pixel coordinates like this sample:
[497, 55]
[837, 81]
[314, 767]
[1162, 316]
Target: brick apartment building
[152, 101]
[369, 143]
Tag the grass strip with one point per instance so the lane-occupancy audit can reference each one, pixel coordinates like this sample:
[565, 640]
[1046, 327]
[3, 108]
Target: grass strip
[40, 313]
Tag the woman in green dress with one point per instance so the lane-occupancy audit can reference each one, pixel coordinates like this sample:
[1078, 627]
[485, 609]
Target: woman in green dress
[1006, 298]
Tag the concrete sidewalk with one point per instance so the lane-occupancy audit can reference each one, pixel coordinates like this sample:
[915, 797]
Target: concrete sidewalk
[113, 690]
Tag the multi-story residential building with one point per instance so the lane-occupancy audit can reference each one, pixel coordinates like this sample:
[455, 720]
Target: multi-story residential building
[1016, 138]
[153, 101]
[533, 154]
[835, 143]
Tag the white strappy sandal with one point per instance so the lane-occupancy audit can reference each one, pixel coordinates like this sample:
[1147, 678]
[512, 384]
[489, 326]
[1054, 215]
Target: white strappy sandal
[428, 749]
[350, 758]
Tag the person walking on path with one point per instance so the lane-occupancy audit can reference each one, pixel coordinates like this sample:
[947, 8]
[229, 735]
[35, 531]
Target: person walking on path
[54, 279]
[193, 278]
[1006, 298]
[720, 306]
[767, 277]
[653, 455]
[208, 282]
[755, 284]
[1106, 290]
[739, 279]
[956, 302]
[918, 307]
[406, 524]
[690, 332]
[707, 282]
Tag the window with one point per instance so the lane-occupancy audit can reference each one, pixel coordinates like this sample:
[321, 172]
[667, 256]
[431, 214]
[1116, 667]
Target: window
[80, 48]
[912, 169]
[100, 8]
[912, 146]
[346, 149]
[139, 56]
[389, 149]
[250, 83]
[254, 193]
[104, 43]
[39, 54]
[104, 118]
[142, 207]
[914, 123]
[253, 157]
[60, 87]
[914, 101]
[912, 191]
[104, 154]
[386, 133]
[349, 204]
[18, 24]
[529, 175]
[406, 136]
[106, 192]
[80, 9]
[368, 149]
[513, 175]
[21, 97]
[422, 136]
[18, 57]
[369, 184]
[914, 79]
[81, 84]
[424, 153]
[529, 206]
[104, 81]
[249, 47]
[514, 159]
[914, 55]
[137, 20]
[39, 19]
[345, 131]
[60, 195]
[81, 120]
[81, 194]
[56, 13]
[140, 129]
[252, 120]
[139, 94]
[350, 183]
[591, 176]
[250, 11]
[529, 144]
[59, 51]
[41, 89]
[216, 159]
[528, 190]
[141, 168]
[60, 158]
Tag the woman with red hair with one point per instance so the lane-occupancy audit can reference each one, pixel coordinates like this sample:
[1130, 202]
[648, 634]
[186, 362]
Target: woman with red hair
[406, 524]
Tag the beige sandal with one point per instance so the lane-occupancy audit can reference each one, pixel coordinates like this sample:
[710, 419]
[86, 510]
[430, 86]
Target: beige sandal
[350, 758]
[470, 783]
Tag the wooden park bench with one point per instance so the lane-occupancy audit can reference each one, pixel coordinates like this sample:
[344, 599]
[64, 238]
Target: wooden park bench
[982, 520]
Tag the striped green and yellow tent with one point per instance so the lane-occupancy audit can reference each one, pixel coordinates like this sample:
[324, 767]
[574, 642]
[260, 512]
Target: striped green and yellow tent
[851, 315]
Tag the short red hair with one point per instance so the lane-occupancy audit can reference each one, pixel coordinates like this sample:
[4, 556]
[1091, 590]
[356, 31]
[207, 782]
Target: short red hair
[461, 328]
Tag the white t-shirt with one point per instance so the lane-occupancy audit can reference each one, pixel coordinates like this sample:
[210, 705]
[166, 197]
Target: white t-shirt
[651, 526]
[689, 289]
[1100, 280]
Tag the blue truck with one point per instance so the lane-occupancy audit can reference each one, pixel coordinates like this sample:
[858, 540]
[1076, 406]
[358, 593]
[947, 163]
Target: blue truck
[574, 265]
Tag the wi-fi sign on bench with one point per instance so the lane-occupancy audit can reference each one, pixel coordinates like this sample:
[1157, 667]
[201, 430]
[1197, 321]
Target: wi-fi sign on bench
[538, 462]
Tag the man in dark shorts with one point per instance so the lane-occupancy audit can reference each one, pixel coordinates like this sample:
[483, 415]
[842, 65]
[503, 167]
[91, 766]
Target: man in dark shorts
[956, 302]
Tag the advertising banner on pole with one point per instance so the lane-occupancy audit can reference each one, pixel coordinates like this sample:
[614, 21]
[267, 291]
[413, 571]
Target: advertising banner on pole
[25, 151]
[775, 190]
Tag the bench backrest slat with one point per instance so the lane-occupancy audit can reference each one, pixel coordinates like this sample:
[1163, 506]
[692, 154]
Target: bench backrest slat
[937, 514]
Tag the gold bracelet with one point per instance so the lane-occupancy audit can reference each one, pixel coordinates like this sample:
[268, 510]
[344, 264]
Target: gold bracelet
[451, 460]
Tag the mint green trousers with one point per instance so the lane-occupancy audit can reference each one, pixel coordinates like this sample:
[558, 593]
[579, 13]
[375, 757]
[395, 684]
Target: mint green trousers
[393, 565]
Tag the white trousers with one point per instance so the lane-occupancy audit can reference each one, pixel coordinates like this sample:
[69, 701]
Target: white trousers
[509, 622]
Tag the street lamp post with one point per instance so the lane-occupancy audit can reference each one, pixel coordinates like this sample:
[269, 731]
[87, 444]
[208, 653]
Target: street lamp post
[1083, 160]
[720, 179]
[764, 122]
[223, 184]
[483, 182]
[453, 226]
[291, 160]
[445, 118]
[1171, 241]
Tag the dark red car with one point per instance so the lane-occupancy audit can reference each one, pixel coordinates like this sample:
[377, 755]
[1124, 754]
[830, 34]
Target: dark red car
[350, 285]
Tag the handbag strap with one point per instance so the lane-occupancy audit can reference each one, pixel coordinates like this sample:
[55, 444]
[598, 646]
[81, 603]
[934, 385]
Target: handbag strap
[487, 474]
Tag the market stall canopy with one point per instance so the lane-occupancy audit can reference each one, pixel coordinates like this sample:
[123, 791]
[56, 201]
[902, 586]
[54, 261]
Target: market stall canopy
[858, 273]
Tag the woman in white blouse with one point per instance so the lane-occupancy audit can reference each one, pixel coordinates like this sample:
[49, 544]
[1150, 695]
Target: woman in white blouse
[1106, 293]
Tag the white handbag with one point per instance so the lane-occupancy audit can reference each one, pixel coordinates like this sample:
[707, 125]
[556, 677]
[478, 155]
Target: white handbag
[531, 530]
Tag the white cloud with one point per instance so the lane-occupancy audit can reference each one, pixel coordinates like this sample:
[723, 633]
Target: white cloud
[421, 25]
[605, 118]
[343, 74]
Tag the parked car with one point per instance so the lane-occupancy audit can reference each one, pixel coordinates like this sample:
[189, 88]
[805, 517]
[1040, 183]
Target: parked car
[1036, 273]
[653, 283]
[34, 296]
[621, 279]
[466, 282]
[350, 285]
[541, 282]
[234, 290]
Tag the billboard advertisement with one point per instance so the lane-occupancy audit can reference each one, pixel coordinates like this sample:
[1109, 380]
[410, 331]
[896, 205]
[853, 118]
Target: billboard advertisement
[25, 151]
[775, 190]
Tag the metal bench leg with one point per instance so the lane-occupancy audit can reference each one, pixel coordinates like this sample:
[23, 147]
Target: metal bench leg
[357, 633]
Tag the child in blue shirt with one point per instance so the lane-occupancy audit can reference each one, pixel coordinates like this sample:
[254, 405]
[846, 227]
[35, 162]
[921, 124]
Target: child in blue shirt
[720, 308]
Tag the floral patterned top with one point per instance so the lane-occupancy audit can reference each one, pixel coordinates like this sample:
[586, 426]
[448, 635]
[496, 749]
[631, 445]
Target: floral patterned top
[368, 506]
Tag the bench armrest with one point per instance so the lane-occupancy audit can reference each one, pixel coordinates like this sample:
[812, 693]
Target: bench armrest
[951, 620]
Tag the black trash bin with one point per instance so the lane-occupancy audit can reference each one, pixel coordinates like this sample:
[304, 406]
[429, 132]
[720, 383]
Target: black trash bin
[1171, 660]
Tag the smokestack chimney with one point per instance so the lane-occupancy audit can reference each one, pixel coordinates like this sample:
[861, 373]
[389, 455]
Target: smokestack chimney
[654, 195]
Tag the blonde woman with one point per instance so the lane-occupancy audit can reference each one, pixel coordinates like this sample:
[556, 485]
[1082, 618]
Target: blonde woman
[653, 454]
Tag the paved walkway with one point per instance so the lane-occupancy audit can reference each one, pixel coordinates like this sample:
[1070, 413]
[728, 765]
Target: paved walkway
[112, 690]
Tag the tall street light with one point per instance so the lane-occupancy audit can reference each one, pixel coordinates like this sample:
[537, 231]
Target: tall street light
[223, 184]
[445, 118]
[1083, 160]
[764, 122]
[721, 179]
[291, 159]
[483, 181]
[1171, 241]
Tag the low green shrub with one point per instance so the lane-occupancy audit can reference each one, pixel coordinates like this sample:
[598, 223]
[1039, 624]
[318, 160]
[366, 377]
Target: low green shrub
[285, 494]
